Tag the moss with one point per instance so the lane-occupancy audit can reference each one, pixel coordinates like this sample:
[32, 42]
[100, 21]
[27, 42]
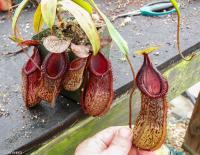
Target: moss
[69, 139]
[182, 76]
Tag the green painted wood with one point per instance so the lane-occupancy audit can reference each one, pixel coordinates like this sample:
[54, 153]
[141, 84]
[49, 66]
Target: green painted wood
[181, 76]
[66, 142]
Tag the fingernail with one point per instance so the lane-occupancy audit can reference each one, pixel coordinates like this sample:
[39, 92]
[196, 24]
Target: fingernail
[125, 133]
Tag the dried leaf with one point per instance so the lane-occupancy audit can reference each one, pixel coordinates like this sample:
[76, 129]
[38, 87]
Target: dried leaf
[38, 20]
[80, 51]
[55, 45]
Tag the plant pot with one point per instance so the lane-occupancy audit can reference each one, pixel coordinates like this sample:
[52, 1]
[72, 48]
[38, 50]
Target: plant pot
[104, 34]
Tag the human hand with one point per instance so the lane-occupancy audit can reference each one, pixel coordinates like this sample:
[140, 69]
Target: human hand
[5, 5]
[111, 141]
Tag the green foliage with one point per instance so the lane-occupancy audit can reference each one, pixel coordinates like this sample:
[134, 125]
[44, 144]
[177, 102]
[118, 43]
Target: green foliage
[81, 10]
[48, 9]
[121, 43]
[175, 4]
[85, 21]
[16, 16]
[84, 5]
[38, 20]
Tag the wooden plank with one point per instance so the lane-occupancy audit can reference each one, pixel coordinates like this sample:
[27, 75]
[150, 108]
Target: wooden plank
[68, 140]
[180, 76]
[192, 137]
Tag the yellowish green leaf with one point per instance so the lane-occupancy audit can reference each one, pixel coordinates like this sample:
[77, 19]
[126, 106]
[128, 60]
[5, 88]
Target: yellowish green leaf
[17, 14]
[121, 43]
[84, 5]
[147, 50]
[38, 20]
[15, 39]
[85, 21]
[175, 4]
[48, 9]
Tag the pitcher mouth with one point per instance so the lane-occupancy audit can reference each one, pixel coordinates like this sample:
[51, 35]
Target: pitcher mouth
[150, 81]
[30, 66]
[99, 65]
[55, 65]
[77, 64]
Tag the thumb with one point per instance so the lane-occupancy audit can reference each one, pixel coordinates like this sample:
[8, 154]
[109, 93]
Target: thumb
[121, 143]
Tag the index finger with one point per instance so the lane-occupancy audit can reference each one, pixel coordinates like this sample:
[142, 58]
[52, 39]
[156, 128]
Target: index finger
[105, 136]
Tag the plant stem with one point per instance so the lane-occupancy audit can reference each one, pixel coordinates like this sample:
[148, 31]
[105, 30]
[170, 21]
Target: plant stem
[132, 91]
[60, 20]
[178, 41]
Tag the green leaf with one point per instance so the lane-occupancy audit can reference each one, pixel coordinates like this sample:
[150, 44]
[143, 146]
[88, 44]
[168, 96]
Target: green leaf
[85, 21]
[175, 4]
[48, 8]
[15, 39]
[121, 43]
[84, 5]
[38, 20]
[16, 16]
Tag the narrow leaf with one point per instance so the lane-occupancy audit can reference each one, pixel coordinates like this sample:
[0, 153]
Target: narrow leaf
[147, 50]
[175, 4]
[84, 5]
[15, 39]
[16, 15]
[48, 9]
[121, 43]
[85, 21]
[38, 20]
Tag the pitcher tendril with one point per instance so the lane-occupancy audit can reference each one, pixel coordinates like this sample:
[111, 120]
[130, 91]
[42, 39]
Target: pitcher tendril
[175, 4]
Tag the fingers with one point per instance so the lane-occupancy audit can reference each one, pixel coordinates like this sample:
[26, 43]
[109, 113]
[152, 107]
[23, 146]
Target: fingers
[105, 137]
[87, 147]
[121, 143]
[132, 151]
[98, 143]
[141, 152]
[135, 151]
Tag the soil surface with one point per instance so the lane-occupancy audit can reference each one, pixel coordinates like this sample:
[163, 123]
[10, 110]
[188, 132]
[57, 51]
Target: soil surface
[20, 126]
